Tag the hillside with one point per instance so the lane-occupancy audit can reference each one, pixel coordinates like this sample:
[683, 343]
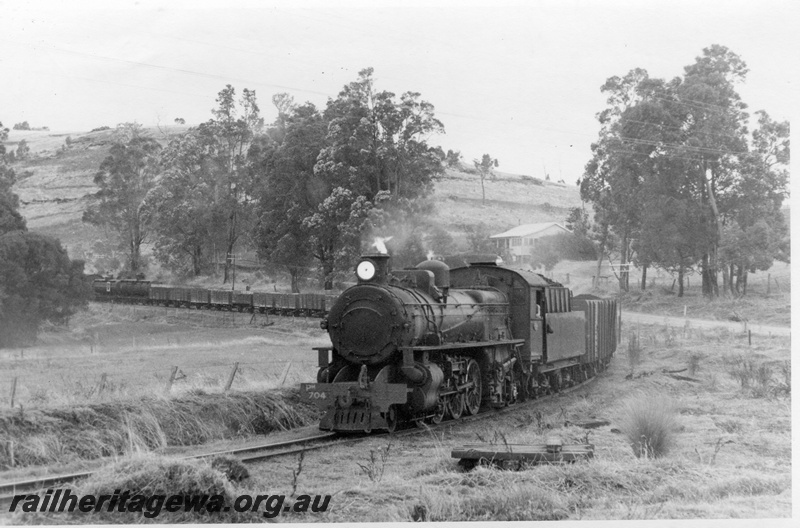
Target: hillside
[56, 184]
[55, 187]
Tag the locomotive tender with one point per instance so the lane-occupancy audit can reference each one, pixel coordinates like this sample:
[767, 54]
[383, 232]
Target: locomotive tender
[432, 342]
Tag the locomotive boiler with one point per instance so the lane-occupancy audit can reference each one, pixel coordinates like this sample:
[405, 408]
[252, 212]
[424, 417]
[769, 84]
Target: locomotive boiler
[428, 343]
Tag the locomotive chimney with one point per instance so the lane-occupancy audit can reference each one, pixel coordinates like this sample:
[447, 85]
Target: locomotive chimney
[373, 268]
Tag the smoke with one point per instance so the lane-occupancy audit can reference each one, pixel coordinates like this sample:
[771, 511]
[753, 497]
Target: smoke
[380, 244]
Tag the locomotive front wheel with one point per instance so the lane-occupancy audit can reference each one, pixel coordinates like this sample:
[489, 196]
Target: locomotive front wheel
[455, 406]
[438, 415]
[391, 418]
[473, 393]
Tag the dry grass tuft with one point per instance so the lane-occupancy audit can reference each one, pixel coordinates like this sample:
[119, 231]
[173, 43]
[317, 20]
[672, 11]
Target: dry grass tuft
[149, 477]
[59, 435]
[649, 422]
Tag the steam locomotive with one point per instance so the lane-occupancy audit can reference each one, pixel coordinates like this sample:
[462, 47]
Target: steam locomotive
[430, 343]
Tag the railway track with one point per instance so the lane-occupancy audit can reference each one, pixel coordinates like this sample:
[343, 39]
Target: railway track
[244, 454]
[261, 452]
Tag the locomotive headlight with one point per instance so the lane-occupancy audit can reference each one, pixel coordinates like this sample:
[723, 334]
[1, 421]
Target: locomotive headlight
[365, 270]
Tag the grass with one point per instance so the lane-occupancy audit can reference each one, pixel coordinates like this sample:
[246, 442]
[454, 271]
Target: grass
[63, 435]
[649, 423]
[730, 456]
[153, 477]
[634, 351]
[759, 306]
[757, 377]
[375, 465]
[103, 357]
[98, 387]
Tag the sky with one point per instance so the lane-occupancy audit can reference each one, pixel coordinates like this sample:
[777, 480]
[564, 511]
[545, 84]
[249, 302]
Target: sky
[517, 80]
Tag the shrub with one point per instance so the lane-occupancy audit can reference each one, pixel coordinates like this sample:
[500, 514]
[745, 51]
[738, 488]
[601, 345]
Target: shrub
[634, 351]
[649, 422]
[38, 283]
[694, 363]
[752, 376]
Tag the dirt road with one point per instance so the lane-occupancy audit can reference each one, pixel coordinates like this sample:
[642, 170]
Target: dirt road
[635, 317]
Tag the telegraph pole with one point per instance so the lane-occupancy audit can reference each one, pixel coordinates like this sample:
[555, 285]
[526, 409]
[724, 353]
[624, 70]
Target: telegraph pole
[232, 262]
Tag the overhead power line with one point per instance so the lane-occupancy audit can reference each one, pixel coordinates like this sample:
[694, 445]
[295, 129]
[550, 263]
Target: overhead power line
[701, 150]
[166, 68]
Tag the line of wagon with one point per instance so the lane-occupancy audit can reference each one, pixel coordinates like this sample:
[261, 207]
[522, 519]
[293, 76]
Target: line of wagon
[145, 292]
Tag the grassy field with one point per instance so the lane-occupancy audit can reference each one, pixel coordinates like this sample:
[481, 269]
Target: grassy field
[98, 388]
[730, 455]
[510, 200]
[723, 408]
[122, 352]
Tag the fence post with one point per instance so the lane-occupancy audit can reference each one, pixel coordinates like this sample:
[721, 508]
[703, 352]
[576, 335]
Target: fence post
[102, 385]
[170, 380]
[285, 373]
[769, 283]
[13, 391]
[230, 378]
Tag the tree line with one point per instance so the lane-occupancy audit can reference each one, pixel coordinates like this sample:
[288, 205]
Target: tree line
[38, 281]
[676, 179]
[304, 191]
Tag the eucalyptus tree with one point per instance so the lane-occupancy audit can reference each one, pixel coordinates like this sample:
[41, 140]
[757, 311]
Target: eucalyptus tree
[234, 128]
[288, 190]
[10, 219]
[682, 145]
[127, 178]
[484, 168]
[376, 154]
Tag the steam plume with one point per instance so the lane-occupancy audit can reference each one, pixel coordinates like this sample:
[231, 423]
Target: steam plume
[380, 244]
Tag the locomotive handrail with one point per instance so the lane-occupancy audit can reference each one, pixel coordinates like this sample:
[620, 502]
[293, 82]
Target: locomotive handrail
[467, 344]
[460, 304]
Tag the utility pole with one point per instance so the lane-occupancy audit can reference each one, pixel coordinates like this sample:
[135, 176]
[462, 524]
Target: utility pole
[232, 262]
[623, 267]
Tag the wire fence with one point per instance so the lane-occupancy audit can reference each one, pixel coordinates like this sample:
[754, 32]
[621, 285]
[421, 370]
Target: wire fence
[757, 283]
[24, 389]
[227, 353]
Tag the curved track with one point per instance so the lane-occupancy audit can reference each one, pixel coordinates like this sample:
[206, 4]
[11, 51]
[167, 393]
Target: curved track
[265, 451]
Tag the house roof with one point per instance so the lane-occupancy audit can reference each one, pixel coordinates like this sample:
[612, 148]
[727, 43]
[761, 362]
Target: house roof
[528, 229]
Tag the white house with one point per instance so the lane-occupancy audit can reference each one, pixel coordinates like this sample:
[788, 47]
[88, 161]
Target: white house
[518, 241]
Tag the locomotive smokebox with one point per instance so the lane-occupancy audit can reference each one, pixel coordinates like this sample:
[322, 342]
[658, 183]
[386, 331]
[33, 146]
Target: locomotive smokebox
[373, 268]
